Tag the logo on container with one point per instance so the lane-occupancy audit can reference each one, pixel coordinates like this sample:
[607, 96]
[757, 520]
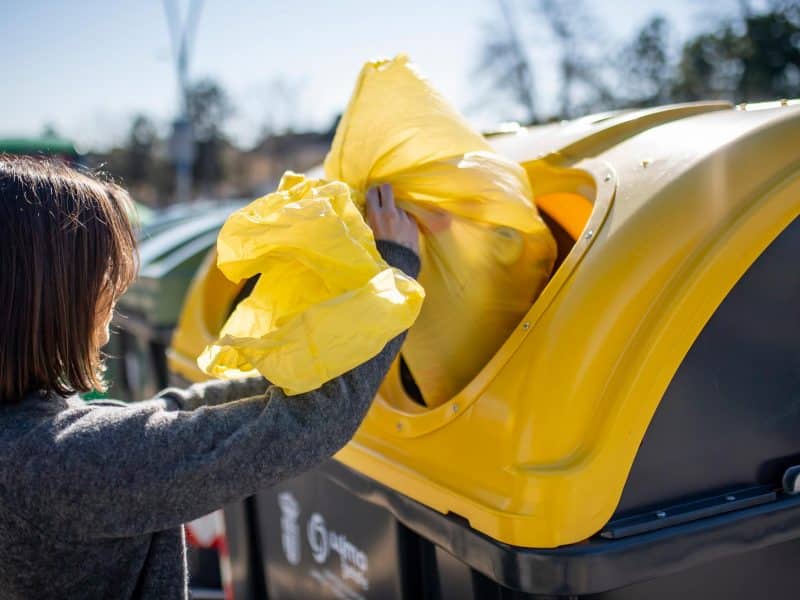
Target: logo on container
[318, 538]
[290, 528]
[353, 560]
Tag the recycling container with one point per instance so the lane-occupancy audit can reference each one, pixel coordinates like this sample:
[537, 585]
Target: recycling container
[636, 436]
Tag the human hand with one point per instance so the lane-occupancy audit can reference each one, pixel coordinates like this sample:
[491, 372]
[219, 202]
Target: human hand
[388, 222]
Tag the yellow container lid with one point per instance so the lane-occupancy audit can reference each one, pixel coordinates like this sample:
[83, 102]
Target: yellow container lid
[670, 206]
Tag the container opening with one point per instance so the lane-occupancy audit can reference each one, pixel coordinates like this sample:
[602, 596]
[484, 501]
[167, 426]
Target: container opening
[565, 200]
[565, 214]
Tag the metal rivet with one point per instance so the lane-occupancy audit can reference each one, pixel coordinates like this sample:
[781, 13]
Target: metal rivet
[646, 162]
[526, 325]
[399, 427]
[589, 234]
[607, 177]
[661, 514]
[730, 498]
[455, 408]
[742, 106]
[784, 102]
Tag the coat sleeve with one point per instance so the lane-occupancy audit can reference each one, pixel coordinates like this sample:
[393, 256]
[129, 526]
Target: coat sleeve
[113, 471]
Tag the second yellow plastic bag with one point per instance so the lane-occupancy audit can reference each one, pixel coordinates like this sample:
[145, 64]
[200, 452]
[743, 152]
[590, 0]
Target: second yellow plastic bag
[325, 300]
[486, 253]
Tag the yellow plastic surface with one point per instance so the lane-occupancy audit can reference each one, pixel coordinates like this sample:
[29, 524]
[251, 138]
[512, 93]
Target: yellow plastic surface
[535, 450]
[486, 254]
[206, 307]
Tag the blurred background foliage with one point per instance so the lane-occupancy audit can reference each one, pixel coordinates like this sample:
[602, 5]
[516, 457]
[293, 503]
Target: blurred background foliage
[750, 55]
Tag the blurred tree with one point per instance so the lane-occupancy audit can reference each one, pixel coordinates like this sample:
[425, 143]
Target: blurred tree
[576, 36]
[141, 147]
[281, 97]
[139, 163]
[709, 66]
[571, 30]
[504, 62]
[646, 66]
[788, 8]
[770, 62]
[50, 131]
[582, 74]
[754, 58]
[209, 109]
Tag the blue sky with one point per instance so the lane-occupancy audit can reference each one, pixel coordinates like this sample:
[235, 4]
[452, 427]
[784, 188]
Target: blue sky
[88, 66]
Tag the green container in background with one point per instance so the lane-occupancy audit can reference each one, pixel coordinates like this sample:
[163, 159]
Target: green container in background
[171, 247]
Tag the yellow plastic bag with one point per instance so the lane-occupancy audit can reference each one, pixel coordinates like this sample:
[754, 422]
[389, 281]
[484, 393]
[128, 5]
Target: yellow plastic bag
[486, 253]
[325, 300]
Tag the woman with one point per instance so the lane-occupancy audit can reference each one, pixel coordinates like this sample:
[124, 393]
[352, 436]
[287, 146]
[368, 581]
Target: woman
[93, 495]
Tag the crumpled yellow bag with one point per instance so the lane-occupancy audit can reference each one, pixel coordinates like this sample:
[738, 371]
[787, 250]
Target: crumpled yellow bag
[486, 253]
[325, 300]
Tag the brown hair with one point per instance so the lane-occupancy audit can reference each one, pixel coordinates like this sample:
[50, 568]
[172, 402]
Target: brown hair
[67, 252]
